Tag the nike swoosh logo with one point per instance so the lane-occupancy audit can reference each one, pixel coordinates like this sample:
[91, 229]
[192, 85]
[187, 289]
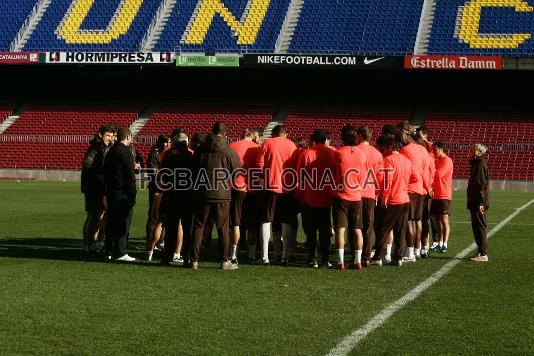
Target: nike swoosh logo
[369, 61]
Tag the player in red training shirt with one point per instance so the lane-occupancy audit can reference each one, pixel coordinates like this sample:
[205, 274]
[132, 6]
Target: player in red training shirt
[440, 207]
[398, 174]
[315, 167]
[373, 163]
[347, 204]
[275, 157]
[420, 160]
[247, 151]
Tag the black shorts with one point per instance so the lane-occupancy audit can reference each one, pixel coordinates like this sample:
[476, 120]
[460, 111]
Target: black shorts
[440, 207]
[347, 214]
[94, 202]
[426, 208]
[417, 202]
[278, 207]
[236, 207]
[251, 213]
[267, 201]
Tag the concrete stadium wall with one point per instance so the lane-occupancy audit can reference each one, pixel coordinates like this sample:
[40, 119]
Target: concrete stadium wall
[64, 175]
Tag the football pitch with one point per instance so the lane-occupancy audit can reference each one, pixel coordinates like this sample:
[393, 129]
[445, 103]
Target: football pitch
[55, 302]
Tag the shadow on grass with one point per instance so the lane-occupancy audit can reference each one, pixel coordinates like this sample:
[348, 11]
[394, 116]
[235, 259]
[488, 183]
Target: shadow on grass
[71, 249]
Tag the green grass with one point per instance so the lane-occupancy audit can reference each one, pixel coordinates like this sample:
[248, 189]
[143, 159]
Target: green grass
[54, 302]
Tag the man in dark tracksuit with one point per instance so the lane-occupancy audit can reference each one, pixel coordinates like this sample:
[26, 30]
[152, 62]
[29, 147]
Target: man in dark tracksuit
[174, 179]
[214, 164]
[121, 193]
[154, 195]
[93, 188]
[478, 200]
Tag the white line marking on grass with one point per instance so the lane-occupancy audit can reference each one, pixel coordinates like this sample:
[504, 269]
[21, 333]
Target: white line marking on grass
[349, 342]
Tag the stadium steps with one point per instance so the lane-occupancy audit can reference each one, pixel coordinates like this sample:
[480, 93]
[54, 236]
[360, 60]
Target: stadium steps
[158, 24]
[288, 26]
[279, 118]
[29, 25]
[425, 27]
[142, 120]
[10, 120]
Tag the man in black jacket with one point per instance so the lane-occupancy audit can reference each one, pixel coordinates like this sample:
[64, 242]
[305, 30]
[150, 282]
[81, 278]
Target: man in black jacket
[214, 163]
[153, 224]
[478, 200]
[121, 192]
[92, 186]
[175, 180]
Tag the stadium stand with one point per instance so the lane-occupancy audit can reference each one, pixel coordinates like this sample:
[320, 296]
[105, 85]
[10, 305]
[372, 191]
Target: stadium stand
[13, 14]
[82, 119]
[225, 34]
[302, 121]
[55, 136]
[368, 27]
[91, 35]
[51, 136]
[508, 133]
[199, 119]
[461, 27]
[357, 26]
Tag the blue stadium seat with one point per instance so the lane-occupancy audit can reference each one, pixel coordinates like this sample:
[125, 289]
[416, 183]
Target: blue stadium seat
[497, 22]
[13, 13]
[366, 27]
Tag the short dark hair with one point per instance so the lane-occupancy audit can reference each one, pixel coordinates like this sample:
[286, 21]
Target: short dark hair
[123, 132]
[439, 144]
[278, 130]
[247, 133]
[348, 135]
[197, 140]
[390, 142]
[389, 129]
[319, 136]
[422, 129]
[161, 141]
[300, 142]
[218, 128]
[366, 133]
[107, 128]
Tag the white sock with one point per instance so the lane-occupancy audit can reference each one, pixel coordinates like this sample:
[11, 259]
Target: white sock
[440, 243]
[252, 251]
[341, 255]
[358, 256]
[427, 248]
[445, 244]
[286, 240]
[388, 251]
[234, 252]
[418, 252]
[409, 252]
[176, 256]
[265, 236]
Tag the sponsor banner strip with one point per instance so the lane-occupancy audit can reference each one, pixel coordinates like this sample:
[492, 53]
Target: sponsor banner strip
[19, 57]
[109, 57]
[453, 62]
[207, 61]
[311, 60]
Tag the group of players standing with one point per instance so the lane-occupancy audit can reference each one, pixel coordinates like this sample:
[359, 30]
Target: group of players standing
[256, 189]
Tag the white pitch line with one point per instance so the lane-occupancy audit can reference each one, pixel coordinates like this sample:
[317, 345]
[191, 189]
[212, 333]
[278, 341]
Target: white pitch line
[349, 342]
